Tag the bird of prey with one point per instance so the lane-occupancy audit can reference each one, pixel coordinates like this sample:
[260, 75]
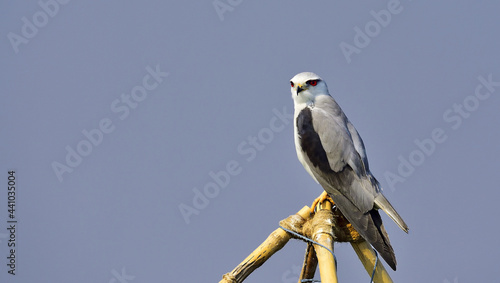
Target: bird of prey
[333, 153]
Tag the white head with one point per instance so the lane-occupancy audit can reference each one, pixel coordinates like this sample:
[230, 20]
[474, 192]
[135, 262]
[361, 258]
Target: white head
[306, 87]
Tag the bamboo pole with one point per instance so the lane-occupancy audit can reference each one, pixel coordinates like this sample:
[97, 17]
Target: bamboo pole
[367, 257]
[310, 263]
[325, 227]
[274, 242]
[323, 234]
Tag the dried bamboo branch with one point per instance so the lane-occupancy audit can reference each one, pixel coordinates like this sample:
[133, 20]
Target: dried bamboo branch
[323, 234]
[276, 240]
[310, 263]
[367, 257]
[326, 227]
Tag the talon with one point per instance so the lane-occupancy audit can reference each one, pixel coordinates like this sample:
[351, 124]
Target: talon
[324, 196]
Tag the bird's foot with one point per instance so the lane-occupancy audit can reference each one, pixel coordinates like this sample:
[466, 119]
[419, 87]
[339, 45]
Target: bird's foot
[323, 197]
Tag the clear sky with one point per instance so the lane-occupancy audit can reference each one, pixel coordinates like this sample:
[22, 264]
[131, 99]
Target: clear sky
[151, 141]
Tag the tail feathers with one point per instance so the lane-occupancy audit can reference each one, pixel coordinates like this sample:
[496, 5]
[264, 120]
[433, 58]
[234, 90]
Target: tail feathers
[382, 203]
[388, 255]
[369, 225]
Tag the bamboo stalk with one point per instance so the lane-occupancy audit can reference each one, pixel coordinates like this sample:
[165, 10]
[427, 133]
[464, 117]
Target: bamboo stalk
[367, 257]
[310, 263]
[326, 227]
[323, 234]
[274, 242]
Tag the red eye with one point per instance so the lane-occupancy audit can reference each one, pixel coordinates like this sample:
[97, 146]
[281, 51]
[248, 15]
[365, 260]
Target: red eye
[312, 82]
[291, 83]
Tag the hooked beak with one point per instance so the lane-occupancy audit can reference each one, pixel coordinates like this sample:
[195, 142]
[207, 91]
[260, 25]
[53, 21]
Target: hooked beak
[299, 89]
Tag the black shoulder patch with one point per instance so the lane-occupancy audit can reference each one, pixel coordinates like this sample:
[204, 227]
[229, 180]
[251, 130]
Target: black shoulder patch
[310, 141]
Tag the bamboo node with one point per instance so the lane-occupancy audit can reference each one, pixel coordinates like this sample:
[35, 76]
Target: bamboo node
[293, 222]
[321, 223]
[228, 278]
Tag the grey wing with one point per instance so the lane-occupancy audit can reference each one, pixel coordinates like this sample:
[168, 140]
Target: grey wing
[332, 126]
[349, 176]
[358, 144]
[360, 148]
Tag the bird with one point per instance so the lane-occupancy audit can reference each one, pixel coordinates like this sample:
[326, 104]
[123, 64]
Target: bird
[333, 153]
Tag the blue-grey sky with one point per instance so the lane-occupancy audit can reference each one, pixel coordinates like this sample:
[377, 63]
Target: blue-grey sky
[152, 140]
